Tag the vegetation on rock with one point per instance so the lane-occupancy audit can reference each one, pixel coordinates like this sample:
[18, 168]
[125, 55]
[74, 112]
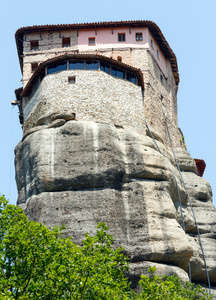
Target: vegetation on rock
[38, 263]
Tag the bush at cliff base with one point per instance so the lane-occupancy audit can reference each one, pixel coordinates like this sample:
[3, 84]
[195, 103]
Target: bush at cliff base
[38, 263]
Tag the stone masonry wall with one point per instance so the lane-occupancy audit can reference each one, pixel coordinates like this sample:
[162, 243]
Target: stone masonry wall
[98, 97]
[50, 45]
[95, 96]
[160, 89]
[160, 98]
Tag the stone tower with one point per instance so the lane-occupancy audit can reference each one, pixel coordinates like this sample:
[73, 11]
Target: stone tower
[95, 105]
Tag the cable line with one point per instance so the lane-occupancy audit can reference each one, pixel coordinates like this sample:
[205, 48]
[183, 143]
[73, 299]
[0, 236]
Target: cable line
[200, 242]
[183, 225]
[179, 196]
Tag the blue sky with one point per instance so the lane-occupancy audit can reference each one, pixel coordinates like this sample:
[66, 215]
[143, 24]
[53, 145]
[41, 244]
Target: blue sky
[189, 27]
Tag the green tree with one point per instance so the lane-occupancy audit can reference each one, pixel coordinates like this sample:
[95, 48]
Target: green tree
[169, 287]
[37, 263]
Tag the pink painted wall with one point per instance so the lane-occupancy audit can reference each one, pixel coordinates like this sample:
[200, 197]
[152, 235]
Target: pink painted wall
[104, 38]
[161, 60]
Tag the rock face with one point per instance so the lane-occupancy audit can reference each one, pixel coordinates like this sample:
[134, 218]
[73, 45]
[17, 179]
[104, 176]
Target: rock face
[78, 173]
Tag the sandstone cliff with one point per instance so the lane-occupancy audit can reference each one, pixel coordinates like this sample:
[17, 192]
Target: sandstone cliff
[78, 173]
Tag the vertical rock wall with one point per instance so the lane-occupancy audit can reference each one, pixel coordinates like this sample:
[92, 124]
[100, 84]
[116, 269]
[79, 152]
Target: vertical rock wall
[79, 173]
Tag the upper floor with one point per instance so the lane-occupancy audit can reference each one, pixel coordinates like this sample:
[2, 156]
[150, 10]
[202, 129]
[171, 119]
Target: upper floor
[36, 44]
[78, 57]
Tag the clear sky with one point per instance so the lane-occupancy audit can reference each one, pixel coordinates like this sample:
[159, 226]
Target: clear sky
[189, 27]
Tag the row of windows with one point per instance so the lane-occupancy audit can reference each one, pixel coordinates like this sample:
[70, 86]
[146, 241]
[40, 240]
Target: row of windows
[92, 65]
[86, 65]
[66, 42]
[34, 45]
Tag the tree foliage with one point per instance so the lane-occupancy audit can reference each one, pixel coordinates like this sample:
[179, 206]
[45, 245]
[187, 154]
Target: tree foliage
[38, 263]
[169, 287]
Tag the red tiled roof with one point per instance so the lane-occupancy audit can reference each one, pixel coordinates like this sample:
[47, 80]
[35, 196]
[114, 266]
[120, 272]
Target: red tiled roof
[200, 164]
[41, 67]
[154, 29]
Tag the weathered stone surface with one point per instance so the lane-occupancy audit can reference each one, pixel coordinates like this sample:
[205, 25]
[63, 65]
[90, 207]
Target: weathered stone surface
[201, 198]
[81, 173]
[67, 115]
[139, 268]
[184, 161]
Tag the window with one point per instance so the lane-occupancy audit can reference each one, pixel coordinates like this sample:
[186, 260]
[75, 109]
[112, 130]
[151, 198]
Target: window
[65, 42]
[91, 41]
[105, 68]
[56, 68]
[72, 79]
[131, 78]
[139, 36]
[34, 45]
[117, 73]
[120, 74]
[80, 65]
[121, 37]
[152, 44]
[76, 65]
[72, 65]
[91, 65]
[158, 54]
[34, 66]
[113, 71]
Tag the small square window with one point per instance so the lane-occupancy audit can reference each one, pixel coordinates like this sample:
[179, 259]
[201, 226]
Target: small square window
[121, 37]
[139, 36]
[65, 42]
[91, 41]
[34, 45]
[72, 79]
[34, 66]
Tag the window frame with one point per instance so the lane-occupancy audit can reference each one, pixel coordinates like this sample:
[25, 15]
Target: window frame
[66, 41]
[34, 45]
[139, 36]
[90, 63]
[152, 43]
[106, 66]
[58, 67]
[91, 39]
[79, 64]
[120, 36]
[34, 67]
[72, 79]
